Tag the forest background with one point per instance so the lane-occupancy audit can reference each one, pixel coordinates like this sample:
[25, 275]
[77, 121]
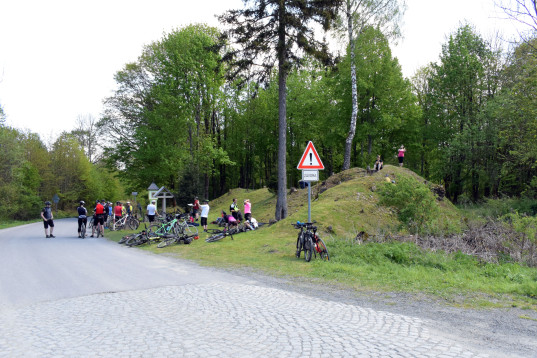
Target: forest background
[468, 122]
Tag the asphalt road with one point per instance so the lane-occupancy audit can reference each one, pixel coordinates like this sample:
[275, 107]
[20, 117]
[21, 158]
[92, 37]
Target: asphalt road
[68, 297]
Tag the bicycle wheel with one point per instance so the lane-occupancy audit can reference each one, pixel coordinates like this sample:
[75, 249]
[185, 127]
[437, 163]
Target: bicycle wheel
[167, 242]
[154, 230]
[83, 230]
[98, 230]
[323, 251]
[131, 239]
[190, 230]
[137, 240]
[299, 240]
[124, 239]
[133, 223]
[216, 237]
[214, 231]
[308, 248]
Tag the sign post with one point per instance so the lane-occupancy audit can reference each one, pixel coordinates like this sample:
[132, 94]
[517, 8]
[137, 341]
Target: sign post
[310, 164]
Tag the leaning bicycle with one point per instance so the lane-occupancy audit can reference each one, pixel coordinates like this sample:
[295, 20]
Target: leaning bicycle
[309, 242]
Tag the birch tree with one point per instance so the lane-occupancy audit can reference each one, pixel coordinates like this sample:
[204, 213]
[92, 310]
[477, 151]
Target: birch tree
[356, 16]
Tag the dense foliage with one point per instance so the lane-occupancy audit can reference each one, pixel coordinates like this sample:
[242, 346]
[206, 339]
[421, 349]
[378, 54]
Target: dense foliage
[30, 173]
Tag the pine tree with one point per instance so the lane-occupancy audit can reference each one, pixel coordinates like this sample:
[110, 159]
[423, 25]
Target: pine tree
[277, 31]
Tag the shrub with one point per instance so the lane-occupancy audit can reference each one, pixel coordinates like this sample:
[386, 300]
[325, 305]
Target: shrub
[415, 203]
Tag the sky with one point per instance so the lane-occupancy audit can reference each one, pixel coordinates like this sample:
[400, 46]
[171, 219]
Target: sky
[58, 57]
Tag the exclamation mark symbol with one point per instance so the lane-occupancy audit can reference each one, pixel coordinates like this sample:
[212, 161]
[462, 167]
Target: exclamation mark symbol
[311, 159]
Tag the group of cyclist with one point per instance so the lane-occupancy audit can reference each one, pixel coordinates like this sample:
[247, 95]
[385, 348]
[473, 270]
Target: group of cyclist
[233, 219]
[101, 211]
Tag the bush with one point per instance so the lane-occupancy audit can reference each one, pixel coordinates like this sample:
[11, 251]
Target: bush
[415, 203]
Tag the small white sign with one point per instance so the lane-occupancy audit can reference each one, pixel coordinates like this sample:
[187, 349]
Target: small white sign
[310, 175]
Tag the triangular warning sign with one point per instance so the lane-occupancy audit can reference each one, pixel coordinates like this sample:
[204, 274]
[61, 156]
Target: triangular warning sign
[310, 159]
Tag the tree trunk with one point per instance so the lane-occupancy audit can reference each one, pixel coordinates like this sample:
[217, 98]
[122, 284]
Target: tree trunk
[354, 115]
[281, 202]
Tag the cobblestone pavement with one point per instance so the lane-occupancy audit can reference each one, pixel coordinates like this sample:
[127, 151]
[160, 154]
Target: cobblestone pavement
[214, 320]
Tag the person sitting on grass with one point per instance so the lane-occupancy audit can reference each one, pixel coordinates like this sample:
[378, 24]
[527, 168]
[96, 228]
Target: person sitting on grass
[230, 221]
[378, 164]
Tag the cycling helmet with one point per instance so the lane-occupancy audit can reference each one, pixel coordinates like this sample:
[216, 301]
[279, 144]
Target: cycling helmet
[82, 202]
[48, 203]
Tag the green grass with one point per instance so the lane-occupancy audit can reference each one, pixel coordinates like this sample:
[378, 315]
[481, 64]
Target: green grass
[4, 224]
[457, 279]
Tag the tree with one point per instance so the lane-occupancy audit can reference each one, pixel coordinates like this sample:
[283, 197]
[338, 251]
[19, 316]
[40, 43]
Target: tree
[2, 116]
[515, 109]
[460, 86]
[358, 14]
[388, 111]
[162, 118]
[277, 31]
[87, 132]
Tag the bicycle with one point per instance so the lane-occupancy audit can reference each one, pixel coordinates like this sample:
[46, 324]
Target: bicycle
[126, 221]
[221, 235]
[309, 242]
[83, 230]
[174, 239]
[185, 226]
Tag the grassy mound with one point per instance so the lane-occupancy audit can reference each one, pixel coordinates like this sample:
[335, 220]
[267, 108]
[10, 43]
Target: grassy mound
[351, 202]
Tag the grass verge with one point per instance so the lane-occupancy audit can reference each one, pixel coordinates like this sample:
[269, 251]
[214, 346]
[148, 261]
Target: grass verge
[456, 279]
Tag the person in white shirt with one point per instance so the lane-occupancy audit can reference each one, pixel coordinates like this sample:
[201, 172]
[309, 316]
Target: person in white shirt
[151, 211]
[204, 214]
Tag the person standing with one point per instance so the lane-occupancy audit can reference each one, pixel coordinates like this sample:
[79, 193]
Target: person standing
[247, 210]
[106, 212]
[128, 208]
[401, 155]
[151, 211]
[98, 219]
[82, 215]
[234, 209]
[196, 208]
[118, 213]
[204, 214]
[140, 212]
[48, 219]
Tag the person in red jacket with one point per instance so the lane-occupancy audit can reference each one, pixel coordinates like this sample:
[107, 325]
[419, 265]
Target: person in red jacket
[118, 212]
[98, 219]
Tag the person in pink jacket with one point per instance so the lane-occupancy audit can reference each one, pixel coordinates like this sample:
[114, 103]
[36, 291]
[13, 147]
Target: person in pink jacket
[401, 155]
[247, 209]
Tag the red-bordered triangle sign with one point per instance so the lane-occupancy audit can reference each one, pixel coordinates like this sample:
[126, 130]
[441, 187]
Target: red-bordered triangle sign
[310, 159]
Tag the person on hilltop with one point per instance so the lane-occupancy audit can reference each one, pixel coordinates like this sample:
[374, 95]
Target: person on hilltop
[204, 214]
[379, 164]
[48, 219]
[401, 155]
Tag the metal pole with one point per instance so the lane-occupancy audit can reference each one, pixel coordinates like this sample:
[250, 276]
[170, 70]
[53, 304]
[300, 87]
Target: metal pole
[309, 201]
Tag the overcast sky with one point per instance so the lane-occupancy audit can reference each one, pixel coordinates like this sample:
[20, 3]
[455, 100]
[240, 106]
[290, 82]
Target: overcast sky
[58, 58]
